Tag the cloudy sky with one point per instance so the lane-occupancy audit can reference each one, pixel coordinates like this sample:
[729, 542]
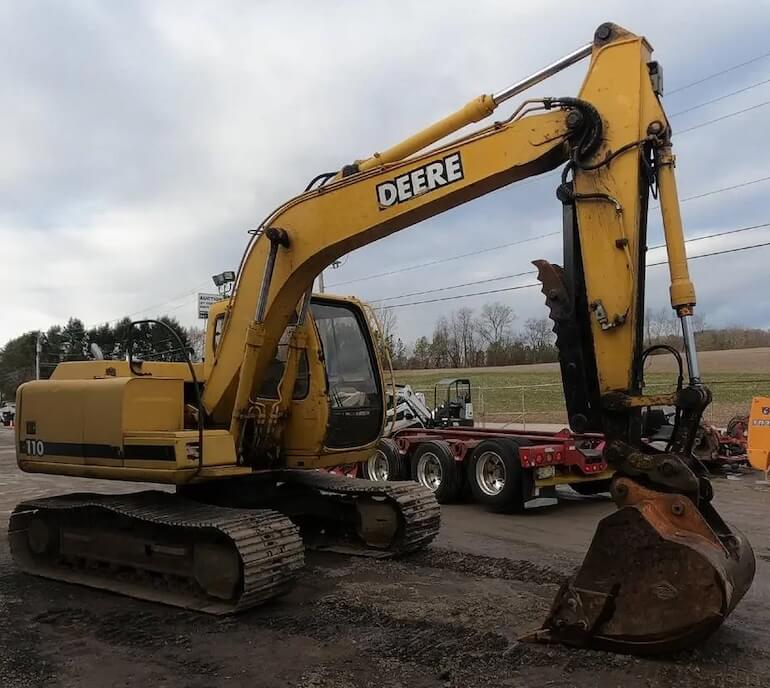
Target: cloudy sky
[143, 139]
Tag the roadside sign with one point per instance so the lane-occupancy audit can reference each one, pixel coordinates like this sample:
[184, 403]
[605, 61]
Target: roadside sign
[204, 303]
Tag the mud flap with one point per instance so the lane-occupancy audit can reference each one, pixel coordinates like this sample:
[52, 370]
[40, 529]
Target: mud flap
[656, 579]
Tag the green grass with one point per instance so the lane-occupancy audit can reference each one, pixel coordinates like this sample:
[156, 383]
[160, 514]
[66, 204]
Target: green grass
[502, 396]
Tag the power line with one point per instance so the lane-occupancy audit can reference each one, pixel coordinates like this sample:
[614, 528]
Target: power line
[542, 236]
[186, 294]
[717, 234]
[537, 284]
[719, 73]
[723, 117]
[463, 296]
[715, 253]
[716, 100]
[445, 260]
[438, 261]
[454, 286]
[721, 190]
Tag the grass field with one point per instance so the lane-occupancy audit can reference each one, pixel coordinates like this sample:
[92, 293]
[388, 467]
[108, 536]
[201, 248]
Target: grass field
[534, 393]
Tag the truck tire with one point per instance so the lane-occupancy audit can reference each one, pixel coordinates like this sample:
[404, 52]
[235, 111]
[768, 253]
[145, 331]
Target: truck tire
[384, 463]
[495, 475]
[434, 467]
[594, 487]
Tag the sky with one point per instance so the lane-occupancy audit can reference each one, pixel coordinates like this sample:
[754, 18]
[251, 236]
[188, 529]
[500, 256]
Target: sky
[144, 139]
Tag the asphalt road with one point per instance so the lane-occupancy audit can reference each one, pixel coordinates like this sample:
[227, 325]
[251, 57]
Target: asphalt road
[446, 617]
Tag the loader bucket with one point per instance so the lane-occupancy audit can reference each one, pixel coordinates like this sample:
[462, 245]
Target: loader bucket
[656, 578]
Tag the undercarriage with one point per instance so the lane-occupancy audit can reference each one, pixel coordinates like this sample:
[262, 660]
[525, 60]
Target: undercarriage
[217, 548]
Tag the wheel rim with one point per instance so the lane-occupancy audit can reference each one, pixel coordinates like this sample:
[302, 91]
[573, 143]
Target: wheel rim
[429, 472]
[490, 473]
[378, 466]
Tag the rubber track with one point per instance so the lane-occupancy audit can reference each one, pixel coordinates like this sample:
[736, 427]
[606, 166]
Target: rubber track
[268, 544]
[419, 511]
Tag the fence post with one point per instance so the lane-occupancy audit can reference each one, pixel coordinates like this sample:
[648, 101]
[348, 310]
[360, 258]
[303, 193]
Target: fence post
[481, 407]
[523, 411]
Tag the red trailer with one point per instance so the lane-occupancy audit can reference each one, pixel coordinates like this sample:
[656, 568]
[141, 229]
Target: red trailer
[502, 469]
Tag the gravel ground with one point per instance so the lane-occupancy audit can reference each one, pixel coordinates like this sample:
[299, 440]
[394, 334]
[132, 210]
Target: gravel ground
[446, 617]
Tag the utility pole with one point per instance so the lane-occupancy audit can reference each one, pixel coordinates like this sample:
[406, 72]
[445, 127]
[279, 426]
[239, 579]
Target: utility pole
[37, 356]
[321, 286]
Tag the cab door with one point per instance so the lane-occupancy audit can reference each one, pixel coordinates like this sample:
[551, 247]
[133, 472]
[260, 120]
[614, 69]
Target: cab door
[356, 405]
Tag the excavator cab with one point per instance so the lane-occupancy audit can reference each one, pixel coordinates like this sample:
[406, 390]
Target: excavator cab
[340, 362]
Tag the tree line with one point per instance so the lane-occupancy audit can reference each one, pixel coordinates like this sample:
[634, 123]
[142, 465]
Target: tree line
[662, 327]
[464, 338]
[74, 342]
[467, 338]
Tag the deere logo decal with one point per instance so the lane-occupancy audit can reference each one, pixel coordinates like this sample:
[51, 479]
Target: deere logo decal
[421, 180]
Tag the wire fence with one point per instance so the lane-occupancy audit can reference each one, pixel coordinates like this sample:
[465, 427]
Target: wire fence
[543, 403]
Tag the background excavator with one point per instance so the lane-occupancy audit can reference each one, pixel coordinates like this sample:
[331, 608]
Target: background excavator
[292, 382]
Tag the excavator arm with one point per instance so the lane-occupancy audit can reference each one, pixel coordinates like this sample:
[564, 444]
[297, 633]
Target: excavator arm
[664, 570]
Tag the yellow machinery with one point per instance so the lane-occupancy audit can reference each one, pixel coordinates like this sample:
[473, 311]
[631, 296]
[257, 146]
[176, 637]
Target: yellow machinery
[292, 381]
[759, 435]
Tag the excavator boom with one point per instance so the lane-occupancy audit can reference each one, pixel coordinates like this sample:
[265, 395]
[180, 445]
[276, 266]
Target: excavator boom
[291, 381]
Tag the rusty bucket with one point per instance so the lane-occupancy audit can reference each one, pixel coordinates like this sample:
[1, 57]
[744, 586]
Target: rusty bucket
[656, 579]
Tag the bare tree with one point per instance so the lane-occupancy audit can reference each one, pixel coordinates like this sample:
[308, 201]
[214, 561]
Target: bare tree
[387, 320]
[439, 346]
[422, 353]
[494, 323]
[462, 346]
[197, 338]
[494, 328]
[454, 344]
[659, 324]
[538, 333]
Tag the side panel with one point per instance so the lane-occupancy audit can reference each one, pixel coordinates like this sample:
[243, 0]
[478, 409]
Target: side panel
[759, 433]
[84, 421]
[50, 423]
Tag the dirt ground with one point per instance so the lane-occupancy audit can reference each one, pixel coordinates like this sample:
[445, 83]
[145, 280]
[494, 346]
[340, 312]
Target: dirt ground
[446, 617]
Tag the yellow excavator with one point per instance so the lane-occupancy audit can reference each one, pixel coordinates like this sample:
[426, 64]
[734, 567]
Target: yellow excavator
[291, 382]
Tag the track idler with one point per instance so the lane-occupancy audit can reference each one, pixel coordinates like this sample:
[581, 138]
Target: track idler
[657, 578]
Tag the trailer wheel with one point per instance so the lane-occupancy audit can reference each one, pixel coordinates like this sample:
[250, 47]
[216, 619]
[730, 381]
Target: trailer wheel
[434, 467]
[496, 476]
[385, 462]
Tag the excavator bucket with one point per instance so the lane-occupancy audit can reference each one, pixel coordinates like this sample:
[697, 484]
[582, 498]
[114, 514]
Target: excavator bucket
[656, 578]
